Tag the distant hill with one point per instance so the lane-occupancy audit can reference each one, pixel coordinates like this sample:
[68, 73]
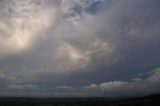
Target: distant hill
[152, 96]
[150, 100]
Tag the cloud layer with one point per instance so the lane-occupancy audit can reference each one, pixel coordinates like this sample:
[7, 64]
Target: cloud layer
[138, 86]
[64, 44]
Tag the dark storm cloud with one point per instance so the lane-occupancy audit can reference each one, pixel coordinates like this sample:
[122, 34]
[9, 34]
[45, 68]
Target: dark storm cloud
[51, 44]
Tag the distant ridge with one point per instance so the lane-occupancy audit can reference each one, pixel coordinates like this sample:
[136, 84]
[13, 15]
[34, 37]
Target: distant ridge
[153, 96]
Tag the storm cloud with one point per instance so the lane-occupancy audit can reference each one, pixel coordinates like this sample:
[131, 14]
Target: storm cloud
[67, 47]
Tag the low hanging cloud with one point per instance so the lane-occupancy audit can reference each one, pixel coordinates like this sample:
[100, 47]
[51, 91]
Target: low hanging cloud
[64, 87]
[148, 85]
[22, 87]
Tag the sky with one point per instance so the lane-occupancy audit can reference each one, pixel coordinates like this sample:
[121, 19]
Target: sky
[79, 48]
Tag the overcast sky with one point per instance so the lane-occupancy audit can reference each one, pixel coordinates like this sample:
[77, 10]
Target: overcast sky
[79, 48]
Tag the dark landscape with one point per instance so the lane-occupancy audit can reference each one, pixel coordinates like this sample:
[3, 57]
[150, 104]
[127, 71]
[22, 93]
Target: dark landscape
[151, 100]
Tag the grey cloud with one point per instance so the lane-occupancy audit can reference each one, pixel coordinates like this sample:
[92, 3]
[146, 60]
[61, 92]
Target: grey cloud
[22, 87]
[21, 25]
[60, 42]
[64, 51]
[64, 87]
[138, 85]
[109, 86]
